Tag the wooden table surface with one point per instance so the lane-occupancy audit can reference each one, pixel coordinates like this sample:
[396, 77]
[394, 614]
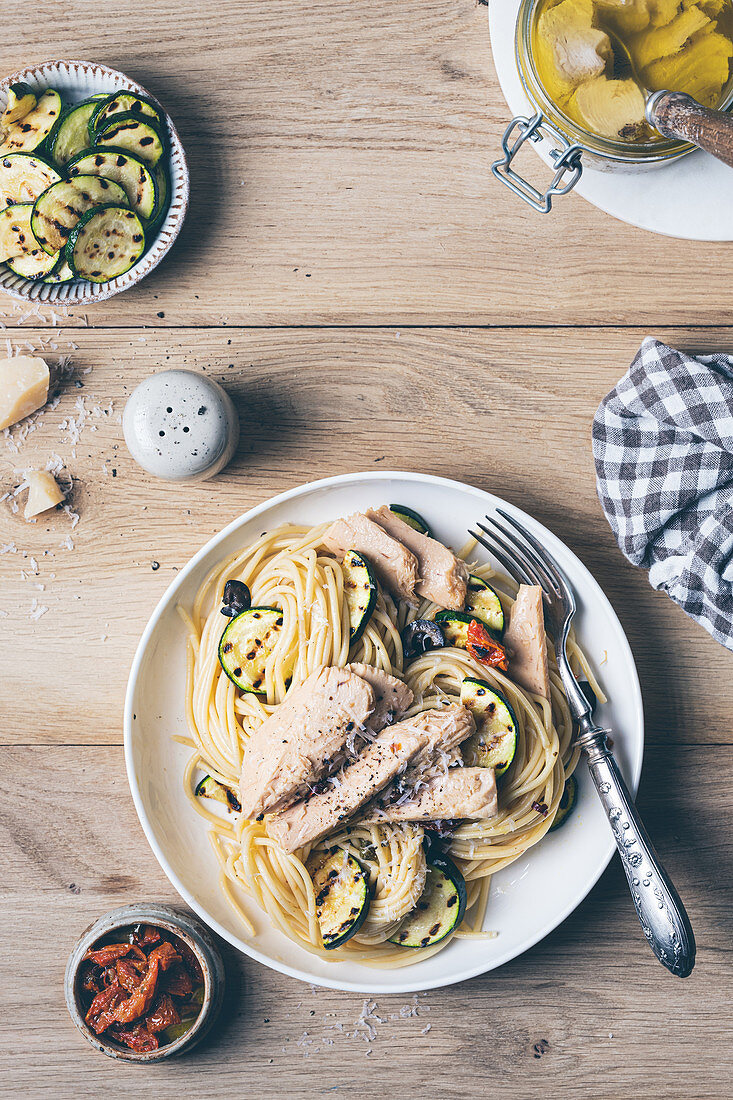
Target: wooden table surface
[369, 296]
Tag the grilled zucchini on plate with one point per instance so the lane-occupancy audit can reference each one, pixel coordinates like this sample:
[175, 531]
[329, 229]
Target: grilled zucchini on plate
[440, 909]
[342, 896]
[90, 183]
[360, 592]
[247, 642]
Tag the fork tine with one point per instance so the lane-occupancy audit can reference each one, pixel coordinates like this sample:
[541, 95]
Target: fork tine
[540, 553]
[543, 576]
[514, 550]
[511, 567]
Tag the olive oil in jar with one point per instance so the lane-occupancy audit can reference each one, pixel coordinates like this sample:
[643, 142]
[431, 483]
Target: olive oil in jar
[596, 58]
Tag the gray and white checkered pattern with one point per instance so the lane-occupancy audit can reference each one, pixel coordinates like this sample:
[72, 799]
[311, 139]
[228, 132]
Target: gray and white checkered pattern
[663, 448]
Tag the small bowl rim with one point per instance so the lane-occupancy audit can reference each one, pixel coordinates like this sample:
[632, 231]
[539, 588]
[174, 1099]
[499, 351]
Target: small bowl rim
[181, 194]
[179, 923]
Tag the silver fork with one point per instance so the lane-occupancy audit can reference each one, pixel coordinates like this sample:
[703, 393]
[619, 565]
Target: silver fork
[663, 918]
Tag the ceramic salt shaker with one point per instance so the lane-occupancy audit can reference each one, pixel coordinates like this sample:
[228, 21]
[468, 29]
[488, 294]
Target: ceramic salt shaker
[181, 426]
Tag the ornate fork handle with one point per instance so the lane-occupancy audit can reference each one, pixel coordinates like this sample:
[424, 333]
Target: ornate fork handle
[659, 909]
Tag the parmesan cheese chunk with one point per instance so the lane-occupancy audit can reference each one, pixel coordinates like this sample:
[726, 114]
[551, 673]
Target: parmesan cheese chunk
[23, 388]
[43, 493]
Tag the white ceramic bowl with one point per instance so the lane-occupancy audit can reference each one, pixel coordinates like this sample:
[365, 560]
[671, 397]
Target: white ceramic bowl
[77, 80]
[527, 900]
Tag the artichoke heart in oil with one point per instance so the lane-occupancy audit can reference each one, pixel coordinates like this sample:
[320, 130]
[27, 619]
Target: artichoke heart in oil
[597, 59]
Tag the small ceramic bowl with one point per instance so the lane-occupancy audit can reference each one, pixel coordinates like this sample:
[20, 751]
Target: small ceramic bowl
[179, 923]
[77, 80]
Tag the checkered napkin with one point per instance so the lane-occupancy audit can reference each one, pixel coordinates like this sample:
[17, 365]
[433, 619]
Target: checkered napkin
[663, 448]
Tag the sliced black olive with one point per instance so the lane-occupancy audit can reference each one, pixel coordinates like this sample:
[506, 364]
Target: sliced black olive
[589, 694]
[237, 598]
[421, 636]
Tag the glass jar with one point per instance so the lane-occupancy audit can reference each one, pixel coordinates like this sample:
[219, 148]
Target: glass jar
[571, 148]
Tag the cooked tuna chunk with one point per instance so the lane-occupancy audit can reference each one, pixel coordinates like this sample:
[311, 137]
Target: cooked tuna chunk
[377, 766]
[443, 576]
[292, 748]
[446, 728]
[396, 567]
[392, 697]
[462, 793]
[526, 642]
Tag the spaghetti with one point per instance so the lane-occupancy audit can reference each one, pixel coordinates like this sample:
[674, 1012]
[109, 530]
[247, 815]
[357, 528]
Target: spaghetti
[288, 568]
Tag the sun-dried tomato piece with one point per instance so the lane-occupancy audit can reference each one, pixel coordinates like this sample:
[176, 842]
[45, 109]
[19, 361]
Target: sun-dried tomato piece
[137, 1038]
[165, 954]
[190, 962]
[90, 979]
[103, 1008]
[483, 648]
[128, 975]
[105, 955]
[147, 935]
[178, 981]
[138, 1003]
[163, 1014]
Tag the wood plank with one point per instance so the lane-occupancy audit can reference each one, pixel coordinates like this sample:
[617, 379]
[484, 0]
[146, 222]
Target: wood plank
[313, 404]
[588, 1004]
[307, 122]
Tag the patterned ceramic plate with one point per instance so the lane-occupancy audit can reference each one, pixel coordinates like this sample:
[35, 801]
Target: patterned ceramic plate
[77, 80]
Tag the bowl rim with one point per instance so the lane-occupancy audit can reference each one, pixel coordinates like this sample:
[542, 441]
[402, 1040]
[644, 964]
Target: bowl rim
[178, 923]
[299, 972]
[180, 193]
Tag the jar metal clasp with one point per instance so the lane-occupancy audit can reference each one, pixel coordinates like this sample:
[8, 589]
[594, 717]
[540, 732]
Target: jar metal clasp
[564, 155]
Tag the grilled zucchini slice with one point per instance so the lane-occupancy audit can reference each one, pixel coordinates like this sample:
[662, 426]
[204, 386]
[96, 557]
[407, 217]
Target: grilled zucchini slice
[455, 626]
[411, 518]
[34, 128]
[494, 743]
[440, 909]
[23, 177]
[122, 103]
[360, 592]
[60, 274]
[342, 897]
[485, 605]
[138, 135]
[57, 210]
[212, 788]
[247, 642]
[568, 798]
[36, 265]
[72, 134]
[120, 166]
[163, 200]
[16, 235]
[105, 243]
[21, 101]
